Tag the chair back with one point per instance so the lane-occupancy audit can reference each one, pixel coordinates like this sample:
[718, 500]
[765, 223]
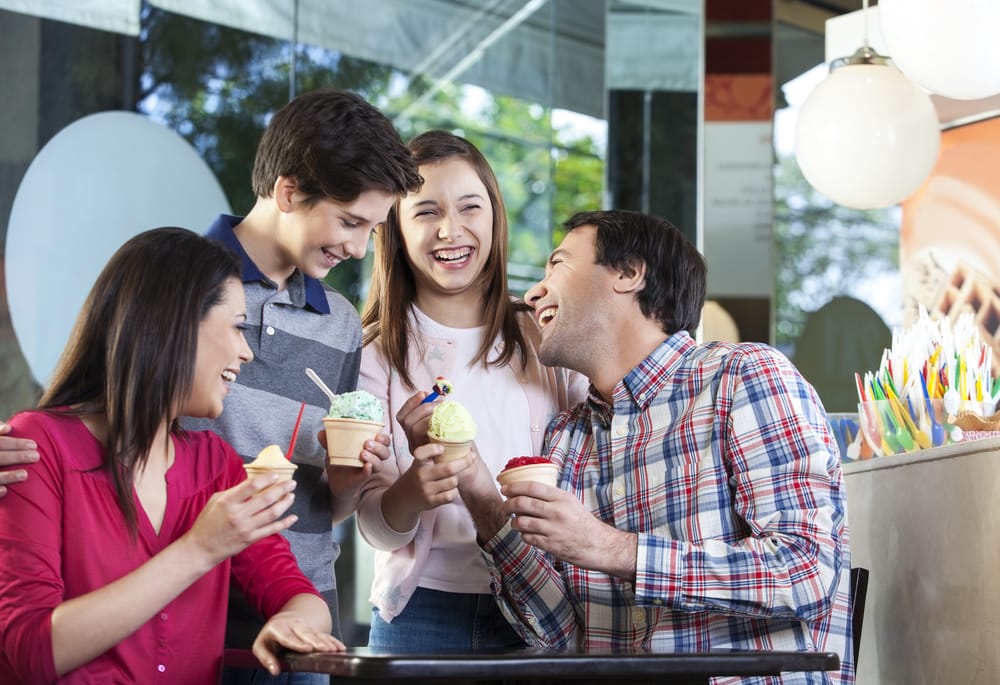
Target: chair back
[859, 589]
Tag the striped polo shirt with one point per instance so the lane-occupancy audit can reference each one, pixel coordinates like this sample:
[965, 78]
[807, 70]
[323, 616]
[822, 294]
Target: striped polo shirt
[307, 324]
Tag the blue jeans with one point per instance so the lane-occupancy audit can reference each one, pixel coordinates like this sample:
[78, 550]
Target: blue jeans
[436, 621]
[259, 676]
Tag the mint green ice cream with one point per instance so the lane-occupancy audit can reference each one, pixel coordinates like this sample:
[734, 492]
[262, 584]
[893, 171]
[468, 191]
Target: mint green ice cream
[359, 405]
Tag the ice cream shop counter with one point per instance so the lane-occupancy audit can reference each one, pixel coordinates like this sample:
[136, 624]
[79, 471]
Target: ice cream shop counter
[927, 526]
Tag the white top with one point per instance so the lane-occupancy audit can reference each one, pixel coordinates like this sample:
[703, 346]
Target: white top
[512, 406]
[455, 563]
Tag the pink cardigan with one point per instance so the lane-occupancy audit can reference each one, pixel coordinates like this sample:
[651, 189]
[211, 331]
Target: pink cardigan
[400, 557]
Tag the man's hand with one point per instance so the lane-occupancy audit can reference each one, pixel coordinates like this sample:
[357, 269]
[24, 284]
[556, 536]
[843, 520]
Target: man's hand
[14, 451]
[555, 521]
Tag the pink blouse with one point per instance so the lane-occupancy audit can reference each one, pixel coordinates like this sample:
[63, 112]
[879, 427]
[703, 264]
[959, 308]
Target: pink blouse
[62, 535]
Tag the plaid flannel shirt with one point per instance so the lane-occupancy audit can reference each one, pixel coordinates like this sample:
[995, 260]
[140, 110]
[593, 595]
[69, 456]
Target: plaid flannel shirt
[719, 458]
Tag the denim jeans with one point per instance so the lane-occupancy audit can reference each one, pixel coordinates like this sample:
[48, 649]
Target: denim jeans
[444, 621]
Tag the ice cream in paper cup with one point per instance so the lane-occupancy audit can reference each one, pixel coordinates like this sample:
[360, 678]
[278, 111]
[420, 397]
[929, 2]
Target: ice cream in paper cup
[271, 460]
[354, 418]
[537, 469]
[451, 426]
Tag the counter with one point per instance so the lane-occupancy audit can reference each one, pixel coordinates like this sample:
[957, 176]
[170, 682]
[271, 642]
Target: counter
[927, 526]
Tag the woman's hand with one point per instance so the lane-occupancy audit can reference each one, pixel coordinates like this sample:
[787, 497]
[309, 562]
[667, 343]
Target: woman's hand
[302, 625]
[234, 519]
[426, 485]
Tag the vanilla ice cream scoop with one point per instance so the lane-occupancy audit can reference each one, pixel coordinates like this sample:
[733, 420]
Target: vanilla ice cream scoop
[271, 460]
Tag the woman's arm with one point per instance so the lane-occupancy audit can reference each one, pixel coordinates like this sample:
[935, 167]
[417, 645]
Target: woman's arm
[87, 626]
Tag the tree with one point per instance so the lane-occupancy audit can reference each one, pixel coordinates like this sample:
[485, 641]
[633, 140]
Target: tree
[824, 250]
[217, 87]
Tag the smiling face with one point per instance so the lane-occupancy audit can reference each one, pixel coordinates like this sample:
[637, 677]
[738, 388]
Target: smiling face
[575, 305]
[317, 237]
[447, 227]
[222, 349]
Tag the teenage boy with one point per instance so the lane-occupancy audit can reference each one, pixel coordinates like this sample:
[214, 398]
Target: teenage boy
[328, 168]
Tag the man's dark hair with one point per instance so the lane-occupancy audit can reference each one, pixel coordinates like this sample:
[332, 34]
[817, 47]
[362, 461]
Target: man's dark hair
[336, 145]
[676, 274]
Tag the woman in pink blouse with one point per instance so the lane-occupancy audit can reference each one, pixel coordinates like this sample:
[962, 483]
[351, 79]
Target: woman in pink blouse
[116, 553]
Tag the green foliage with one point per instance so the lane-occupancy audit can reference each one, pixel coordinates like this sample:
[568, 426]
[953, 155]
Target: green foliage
[218, 87]
[823, 249]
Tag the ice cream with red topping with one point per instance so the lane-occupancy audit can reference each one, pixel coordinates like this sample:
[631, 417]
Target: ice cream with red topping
[538, 469]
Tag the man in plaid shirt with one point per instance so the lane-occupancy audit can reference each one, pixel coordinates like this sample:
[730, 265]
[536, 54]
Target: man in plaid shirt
[700, 504]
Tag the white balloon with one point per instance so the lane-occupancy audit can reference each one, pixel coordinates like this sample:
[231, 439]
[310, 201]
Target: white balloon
[950, 47]
[867, 137]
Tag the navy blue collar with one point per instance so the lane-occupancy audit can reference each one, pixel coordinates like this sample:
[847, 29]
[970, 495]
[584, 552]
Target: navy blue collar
[222, 230]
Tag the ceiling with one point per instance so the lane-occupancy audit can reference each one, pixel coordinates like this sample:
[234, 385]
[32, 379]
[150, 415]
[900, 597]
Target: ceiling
[799, 45]
[811, 15]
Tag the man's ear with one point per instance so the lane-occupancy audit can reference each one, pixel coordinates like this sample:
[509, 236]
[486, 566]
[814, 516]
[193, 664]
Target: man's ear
[285, 188]
[632, 279]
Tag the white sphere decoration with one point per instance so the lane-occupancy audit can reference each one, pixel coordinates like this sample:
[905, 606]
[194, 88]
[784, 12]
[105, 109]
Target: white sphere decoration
[950, 47]
[867, 137]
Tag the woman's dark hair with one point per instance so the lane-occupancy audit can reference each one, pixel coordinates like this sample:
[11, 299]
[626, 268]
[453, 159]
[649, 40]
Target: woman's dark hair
[676, 274]
[393, 286]
[131, 353]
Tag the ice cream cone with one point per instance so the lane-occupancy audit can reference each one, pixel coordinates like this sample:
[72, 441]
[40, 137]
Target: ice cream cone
[540, 473]
[345, 438]
[452, 450]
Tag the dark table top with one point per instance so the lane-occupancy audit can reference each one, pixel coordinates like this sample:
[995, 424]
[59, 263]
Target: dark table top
[550, 666]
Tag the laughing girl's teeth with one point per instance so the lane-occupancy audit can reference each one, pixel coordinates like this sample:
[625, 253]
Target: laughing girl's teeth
[228, 376]
[452, 255]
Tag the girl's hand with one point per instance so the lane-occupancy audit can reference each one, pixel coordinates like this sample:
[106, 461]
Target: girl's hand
[413, 417]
